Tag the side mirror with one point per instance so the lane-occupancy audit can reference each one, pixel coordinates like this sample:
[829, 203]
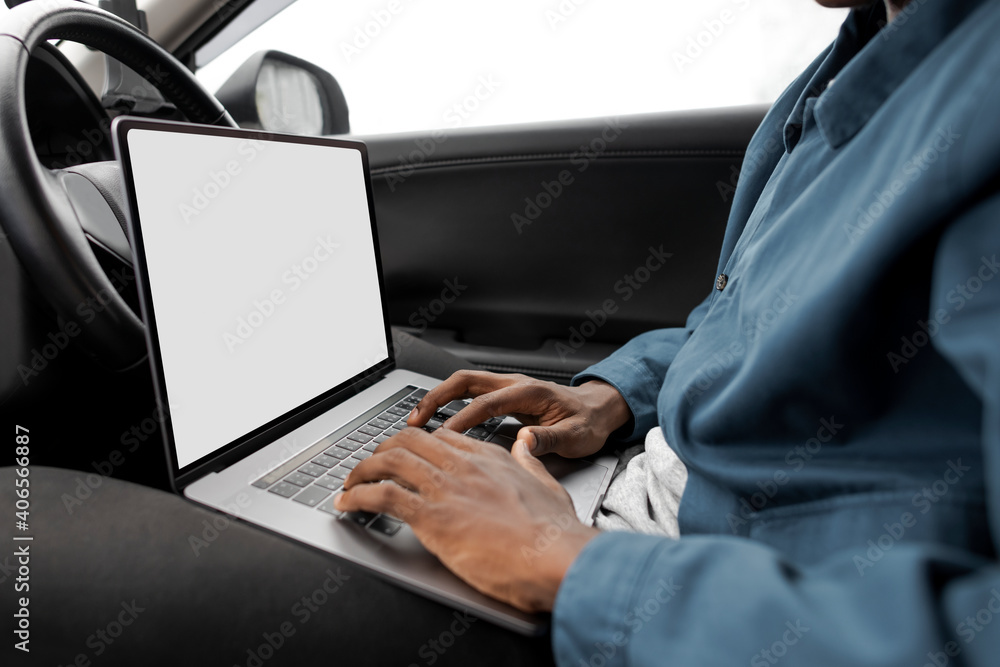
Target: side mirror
[281, 93]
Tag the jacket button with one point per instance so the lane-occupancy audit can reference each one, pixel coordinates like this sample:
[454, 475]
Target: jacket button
[721, 282]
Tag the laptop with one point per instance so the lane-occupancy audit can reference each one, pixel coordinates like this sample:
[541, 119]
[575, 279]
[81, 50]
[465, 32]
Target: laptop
[260, 283]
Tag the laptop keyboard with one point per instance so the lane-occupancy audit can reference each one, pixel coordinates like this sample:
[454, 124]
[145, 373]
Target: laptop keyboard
[314, 477]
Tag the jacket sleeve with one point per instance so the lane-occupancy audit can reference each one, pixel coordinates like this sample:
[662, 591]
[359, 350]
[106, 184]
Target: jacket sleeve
[638, 368]
[715, 600]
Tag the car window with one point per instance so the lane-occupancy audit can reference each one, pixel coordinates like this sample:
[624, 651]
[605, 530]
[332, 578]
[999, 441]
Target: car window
[408, 65]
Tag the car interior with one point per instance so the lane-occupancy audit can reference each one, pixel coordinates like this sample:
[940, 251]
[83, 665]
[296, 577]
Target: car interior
[536, 248]
[538, 244]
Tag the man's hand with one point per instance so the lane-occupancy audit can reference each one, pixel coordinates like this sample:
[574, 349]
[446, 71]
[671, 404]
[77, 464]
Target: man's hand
[495, 518]
[571, 421]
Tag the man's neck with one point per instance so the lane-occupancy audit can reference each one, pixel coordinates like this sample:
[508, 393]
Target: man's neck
[893, 7]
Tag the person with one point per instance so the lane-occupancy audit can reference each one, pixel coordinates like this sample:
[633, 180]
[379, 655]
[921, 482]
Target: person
[834, 400]
[829, 417]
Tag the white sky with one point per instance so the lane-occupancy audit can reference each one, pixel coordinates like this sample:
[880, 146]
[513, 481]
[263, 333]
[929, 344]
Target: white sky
[605, 57]
[593, 58]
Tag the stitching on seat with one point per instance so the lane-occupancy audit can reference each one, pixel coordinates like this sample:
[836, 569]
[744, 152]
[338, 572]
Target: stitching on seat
[527, 370]
[433, 164]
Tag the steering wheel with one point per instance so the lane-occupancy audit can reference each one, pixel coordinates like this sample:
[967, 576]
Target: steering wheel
[35, 211]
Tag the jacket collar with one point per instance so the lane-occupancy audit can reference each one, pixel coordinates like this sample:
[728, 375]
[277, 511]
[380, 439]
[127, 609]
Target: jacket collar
[869, 61]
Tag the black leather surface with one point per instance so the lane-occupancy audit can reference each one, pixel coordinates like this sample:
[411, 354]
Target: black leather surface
[126, 575]
[35, 213]
[95, 190]
[445, 210]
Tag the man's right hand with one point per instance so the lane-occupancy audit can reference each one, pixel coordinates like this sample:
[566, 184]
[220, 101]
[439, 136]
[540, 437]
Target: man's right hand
[571, 421]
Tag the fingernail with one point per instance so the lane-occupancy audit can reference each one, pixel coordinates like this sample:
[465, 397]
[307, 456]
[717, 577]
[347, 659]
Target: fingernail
[337, 502]
[413, 415]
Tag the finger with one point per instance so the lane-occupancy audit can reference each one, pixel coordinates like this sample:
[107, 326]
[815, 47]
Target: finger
[464, 445]
[524, 458]
[560, 437]
[401, 466]
[462, 384]
[390, 499]
[524, 398]
[430, 447]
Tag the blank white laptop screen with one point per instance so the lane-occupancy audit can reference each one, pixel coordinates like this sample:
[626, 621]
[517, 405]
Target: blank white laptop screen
[262, 273]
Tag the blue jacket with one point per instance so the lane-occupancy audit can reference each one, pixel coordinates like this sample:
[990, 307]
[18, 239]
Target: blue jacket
[837, 401]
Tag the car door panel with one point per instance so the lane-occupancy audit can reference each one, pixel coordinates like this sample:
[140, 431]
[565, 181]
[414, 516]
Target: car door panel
[544, 247]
